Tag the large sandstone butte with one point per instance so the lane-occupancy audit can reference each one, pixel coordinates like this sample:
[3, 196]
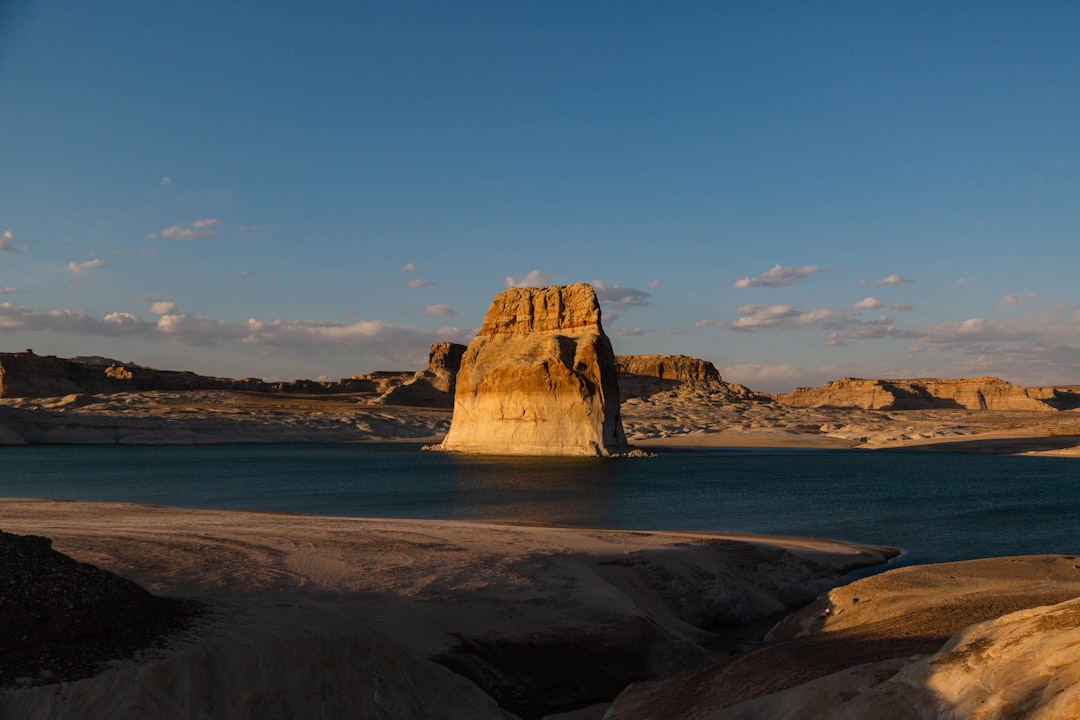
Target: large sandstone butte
[539, 378]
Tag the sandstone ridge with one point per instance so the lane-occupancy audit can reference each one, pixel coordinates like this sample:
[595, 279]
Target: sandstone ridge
[539, 378]
[985, 393]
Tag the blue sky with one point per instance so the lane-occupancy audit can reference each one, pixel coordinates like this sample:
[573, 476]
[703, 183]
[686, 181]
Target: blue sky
[797, 192]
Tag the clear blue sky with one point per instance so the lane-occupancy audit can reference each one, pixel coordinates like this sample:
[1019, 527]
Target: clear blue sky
[795, 191]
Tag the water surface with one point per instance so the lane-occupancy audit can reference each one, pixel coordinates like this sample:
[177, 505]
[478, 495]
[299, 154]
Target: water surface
[936, 506]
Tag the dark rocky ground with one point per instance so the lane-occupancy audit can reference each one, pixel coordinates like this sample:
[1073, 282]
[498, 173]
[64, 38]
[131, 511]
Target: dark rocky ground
[63, 620]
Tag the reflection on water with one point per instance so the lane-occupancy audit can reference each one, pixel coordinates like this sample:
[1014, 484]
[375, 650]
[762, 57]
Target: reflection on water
[935, 506]
[554, 491]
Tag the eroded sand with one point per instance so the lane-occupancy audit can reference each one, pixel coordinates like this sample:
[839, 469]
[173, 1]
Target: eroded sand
[557, 604]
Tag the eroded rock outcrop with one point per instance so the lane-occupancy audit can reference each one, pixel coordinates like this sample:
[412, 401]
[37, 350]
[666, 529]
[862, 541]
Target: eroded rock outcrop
[433, 387]
[985, 393]
[27, 375]
[539, 378]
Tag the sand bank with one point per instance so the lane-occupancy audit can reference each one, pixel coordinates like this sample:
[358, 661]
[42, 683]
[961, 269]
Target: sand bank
[543, 618]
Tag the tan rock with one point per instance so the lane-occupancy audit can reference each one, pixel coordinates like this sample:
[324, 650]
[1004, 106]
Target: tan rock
[985, 393]
[539, 379]
[433, 387]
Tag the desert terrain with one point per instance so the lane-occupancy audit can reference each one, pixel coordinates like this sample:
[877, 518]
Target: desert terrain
[279, 616]
[692, 415]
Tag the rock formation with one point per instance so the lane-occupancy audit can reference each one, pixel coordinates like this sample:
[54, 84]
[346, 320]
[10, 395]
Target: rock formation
[985, 393]
[644, 375]
[433, 387]
[539, 378]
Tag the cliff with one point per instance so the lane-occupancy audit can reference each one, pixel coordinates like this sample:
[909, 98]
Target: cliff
[27, 375]
[539, 378]
[433, 387]
[985, 393]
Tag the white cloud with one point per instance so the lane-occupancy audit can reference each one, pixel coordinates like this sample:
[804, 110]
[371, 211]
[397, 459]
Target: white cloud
[778, 276]
[900, 307]
[7, 242]
[653, 284]
[883, 327]
[439, 311]
[77, 269]
[159, 306]
[166, 180]
[780, 317]
[893, 279]
[198, 229]
[417, 283]
[408, 268]
[76, 322]
[973, 331]
[533, 278]
[1014, 299]
[629, 332]
[9, 291]
[619, 298]
[868, 303]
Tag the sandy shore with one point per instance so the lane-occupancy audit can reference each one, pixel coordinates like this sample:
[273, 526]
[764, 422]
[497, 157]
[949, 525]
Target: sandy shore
[317, 616]
[532, 600]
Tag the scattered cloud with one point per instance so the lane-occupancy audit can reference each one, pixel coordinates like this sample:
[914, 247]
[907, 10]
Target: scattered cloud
[9, 291]
[778, 276]
[78, 269]
[629, 332]
[780, 317]
[533, 278]
[409, 268]
[245, 273]
[76, 322]
[1014, 299]
[7, 242]
[900, 307]
[417, 283]
[198, 229]
[653, 284]
[962, 333]
[159, 306]
[134, 251]
[868, 303]
[963, 281]
[883, 327]
[894, 279]
[166, 181]
[619, 298]
[439, 311]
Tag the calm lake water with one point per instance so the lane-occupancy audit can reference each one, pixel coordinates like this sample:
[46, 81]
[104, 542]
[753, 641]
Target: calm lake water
[935, 506]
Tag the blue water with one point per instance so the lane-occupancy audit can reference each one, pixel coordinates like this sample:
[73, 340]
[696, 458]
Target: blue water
[935, 506]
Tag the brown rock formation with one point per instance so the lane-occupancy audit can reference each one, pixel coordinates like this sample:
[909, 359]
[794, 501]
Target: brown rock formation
[433, 387]
[986, 393]
[539, 378]
[28, 375]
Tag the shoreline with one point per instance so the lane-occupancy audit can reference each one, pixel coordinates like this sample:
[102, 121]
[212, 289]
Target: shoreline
[489, 616]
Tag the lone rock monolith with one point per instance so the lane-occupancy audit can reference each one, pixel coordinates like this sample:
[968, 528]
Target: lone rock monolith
[539, 378]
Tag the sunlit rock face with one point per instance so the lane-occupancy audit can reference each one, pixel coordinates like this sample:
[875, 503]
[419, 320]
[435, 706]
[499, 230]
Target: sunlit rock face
[539, 378]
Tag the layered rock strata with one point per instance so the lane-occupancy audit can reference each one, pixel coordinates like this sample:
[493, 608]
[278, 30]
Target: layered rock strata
[539, 378]
[433, 387]
[985, 393]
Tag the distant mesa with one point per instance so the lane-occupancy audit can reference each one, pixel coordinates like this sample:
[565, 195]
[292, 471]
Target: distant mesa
[985, 393]
[539, 378]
